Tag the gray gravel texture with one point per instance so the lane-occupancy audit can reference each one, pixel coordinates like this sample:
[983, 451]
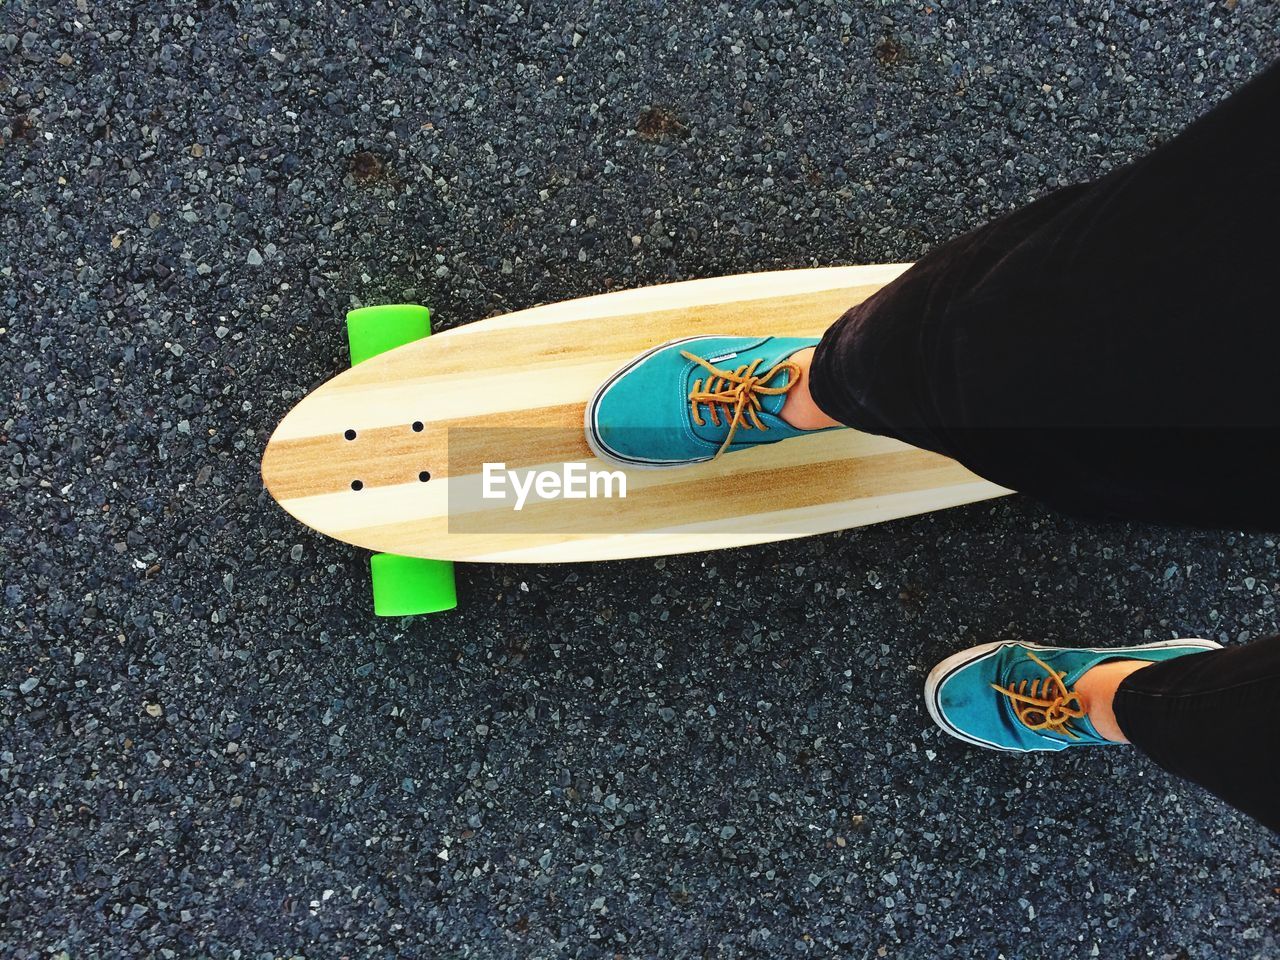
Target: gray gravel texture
[210, 748]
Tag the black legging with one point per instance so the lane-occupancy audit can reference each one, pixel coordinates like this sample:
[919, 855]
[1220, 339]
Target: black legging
[1113, 349]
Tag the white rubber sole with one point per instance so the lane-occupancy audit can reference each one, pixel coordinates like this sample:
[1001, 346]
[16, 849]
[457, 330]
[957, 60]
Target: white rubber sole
[939, 674]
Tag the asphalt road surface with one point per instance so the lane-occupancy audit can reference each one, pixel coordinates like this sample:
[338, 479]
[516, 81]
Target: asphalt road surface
[208, 745]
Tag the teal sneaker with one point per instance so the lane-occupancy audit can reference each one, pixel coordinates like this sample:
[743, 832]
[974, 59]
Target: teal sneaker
[690, 400]
[1019, 696]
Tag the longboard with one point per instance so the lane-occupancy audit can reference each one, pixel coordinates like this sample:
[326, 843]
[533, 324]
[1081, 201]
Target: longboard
[391, 455]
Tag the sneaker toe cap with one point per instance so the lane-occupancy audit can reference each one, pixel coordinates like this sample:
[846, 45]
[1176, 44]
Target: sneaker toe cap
[969, 708]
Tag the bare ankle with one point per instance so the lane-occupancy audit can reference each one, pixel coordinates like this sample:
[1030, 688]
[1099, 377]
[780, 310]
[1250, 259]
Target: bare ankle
[1097, 690]
[799, 409]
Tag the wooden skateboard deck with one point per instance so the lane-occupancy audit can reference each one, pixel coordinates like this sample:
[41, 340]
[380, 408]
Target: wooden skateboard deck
[390, 454]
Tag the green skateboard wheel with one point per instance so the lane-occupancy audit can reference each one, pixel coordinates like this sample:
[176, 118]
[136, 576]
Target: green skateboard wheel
[406, 586]
[375, 330]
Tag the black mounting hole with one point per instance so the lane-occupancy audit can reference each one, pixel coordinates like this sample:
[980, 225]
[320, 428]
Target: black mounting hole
[350, 434]
[417, 426]
[357, 484]
[424, 476]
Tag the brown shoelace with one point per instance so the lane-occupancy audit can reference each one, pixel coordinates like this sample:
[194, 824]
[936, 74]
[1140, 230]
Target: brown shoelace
[1046, 703]
[736, 394]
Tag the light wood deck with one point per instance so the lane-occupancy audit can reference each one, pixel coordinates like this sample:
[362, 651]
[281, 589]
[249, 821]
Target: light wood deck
[513, 389]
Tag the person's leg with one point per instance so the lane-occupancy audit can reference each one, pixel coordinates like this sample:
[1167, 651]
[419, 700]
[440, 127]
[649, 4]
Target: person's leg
[1203, 713]
[881, 365]
[1097, 690]
[1214, 720]
[1100, 349]
[1105, 349]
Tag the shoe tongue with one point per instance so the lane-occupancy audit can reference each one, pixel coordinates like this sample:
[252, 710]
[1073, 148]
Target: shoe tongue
[1084, 730]
[770, 403]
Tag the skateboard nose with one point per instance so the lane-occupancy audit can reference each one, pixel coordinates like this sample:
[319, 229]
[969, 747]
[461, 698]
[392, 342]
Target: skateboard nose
[306, 457]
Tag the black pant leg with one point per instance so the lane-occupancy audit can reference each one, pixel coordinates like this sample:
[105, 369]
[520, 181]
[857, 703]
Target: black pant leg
[1214, 719]
[1113, 349]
